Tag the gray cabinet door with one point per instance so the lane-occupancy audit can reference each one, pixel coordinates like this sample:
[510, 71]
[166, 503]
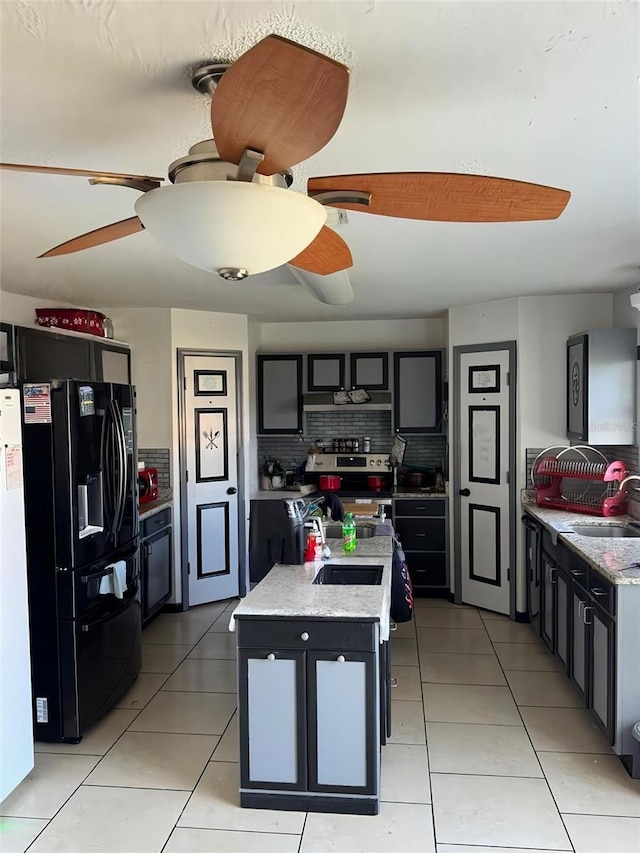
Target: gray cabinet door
[271, 715]
[562, 622]
[370, 370]
[417, 392]
[113, 364]
[578, 640]
[344, 732]
[601, 669]
[279, 386]
[326, 371]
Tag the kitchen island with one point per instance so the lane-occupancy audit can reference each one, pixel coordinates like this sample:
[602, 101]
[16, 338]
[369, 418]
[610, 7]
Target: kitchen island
[584, 600]
[313, 685]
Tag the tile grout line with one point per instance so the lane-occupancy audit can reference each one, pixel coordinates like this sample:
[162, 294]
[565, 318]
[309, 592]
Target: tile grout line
[544, 775]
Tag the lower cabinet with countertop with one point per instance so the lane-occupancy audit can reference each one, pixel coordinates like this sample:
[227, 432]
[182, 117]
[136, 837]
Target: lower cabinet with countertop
[313, 687]
[590, 619]
[155, 557]
[422, 527]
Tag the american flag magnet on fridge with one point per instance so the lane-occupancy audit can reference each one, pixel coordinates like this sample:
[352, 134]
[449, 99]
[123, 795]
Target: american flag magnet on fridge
[36, 401]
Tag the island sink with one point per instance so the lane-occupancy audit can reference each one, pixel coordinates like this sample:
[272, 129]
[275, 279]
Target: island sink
[362, 532]
[349, 574]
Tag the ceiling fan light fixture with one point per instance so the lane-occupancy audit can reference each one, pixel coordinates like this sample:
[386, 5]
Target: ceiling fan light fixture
[233, 228]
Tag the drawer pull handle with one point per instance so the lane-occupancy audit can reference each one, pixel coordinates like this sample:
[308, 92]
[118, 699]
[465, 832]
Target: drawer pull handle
[595, 591]
[341, 658]
[421, 507]
[421, 534]
[271, 656]
[304, 636]
[584, 615]
[577, 574]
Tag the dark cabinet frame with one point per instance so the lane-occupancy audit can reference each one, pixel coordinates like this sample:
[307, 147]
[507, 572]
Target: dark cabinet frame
[261, 359]
[584, 387]
[397, 392]
[384, 357]
[99, 347]
[244, 656]
[8, 365]
[312, 358]
[148, 539]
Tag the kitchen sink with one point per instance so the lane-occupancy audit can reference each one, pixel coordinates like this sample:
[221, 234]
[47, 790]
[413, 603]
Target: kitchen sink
[602, 531]
[363, 532]
[350, 573]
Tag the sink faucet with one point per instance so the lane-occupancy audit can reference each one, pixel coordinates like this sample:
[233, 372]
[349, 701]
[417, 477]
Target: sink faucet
[627, 479]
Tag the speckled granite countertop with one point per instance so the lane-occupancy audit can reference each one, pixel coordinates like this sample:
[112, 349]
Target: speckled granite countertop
[165, 499]
[288, 591]
[617, 559]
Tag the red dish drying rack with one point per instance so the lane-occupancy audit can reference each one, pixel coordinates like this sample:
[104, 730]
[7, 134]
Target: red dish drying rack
[555, 470]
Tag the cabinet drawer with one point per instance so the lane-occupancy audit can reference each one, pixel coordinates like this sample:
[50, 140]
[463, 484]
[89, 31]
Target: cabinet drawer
[422, 534]
[149, 526]
[426, 506]
[427, 569]
[322, 634]
[602, 592]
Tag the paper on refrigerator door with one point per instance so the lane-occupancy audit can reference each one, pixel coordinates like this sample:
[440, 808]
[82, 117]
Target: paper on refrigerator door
[13, 467]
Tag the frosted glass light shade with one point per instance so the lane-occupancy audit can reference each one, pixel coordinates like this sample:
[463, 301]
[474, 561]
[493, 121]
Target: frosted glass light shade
[216, 224]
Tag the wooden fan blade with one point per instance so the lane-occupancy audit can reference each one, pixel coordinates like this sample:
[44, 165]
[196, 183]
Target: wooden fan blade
[281, 99]
[83, 173]
[328, 253]
[447, 197]
[95, 238]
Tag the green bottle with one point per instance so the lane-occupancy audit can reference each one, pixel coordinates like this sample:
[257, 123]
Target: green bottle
[349, 542]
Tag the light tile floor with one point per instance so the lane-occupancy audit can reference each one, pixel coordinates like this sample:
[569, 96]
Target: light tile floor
[491, 753]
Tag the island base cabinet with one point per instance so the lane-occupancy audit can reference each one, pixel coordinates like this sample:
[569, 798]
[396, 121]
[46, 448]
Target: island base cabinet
[309, 720]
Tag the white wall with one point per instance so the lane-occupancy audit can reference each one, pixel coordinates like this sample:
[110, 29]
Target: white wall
[210, 331]
[352, 335]
[21, 310]
[626, 317]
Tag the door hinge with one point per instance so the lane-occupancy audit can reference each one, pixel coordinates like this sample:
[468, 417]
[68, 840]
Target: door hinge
[508, 574]
[184, 382]
[186, 476]
[508, 479]
[188, 568]
[508, 379]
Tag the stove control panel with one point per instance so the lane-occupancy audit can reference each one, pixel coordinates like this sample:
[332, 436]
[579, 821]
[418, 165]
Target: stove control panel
[331, 462]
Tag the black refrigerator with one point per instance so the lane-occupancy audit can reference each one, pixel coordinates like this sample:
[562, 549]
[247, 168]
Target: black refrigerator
[82, 551]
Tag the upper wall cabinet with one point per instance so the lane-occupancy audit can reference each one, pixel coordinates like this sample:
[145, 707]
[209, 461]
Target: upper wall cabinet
[417, 398]
[279, 385]
[43, 356]
[370, 370]
[7, 362]
[326, 371]
[601, 386]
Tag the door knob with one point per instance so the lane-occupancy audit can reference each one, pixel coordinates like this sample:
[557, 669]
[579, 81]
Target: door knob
[464, 492]
[231, 490]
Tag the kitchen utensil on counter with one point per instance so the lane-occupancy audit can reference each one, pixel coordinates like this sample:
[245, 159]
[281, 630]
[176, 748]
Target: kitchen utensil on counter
[277, 481]
[329, 483]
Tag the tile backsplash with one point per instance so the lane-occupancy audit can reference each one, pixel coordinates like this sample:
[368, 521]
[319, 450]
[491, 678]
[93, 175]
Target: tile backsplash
[325, 426]
[157, 457]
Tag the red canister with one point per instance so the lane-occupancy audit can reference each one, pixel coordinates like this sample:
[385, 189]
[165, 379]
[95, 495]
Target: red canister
[329, 482]
[375, 482]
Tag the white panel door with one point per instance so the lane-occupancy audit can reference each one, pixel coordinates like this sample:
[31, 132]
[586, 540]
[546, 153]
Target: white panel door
[484, 472]
[211, 454]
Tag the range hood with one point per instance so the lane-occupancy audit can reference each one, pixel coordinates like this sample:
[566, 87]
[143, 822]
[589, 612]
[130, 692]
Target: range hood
[380, 402]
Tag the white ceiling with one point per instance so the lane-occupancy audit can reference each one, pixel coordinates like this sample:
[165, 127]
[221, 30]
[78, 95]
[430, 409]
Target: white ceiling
[541, 91]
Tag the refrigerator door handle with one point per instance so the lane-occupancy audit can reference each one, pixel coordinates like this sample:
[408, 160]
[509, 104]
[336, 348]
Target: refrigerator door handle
[107, 469]
[122, 460]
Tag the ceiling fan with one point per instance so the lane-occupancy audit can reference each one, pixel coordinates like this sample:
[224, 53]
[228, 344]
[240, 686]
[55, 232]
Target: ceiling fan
[228, 207]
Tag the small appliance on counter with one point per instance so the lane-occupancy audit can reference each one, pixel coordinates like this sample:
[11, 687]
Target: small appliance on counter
[147, 484]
